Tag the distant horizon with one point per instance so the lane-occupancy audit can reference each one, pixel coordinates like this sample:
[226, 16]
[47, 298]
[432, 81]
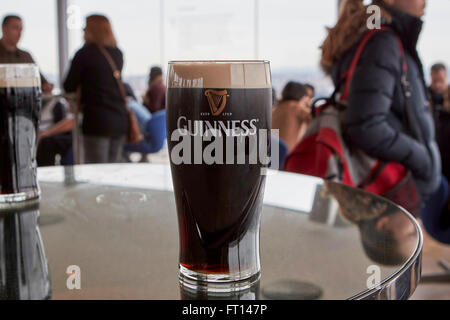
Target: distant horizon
[289, 33]
[280, 76]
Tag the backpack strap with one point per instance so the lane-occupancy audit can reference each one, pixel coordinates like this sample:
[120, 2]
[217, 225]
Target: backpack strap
[412, 124]
[348, 75]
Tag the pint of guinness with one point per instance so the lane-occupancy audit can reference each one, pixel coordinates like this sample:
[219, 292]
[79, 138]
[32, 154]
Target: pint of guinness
[218, 127]
[20, 104]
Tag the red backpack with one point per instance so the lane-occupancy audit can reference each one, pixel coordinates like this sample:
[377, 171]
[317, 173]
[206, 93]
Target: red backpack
[323, 152]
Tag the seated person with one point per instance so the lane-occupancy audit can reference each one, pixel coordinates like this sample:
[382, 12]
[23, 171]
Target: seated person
[440, 102]
[55, 136]
[141, 112]
[436, 214]
[292, 114]
[155, 97]
[152, 126]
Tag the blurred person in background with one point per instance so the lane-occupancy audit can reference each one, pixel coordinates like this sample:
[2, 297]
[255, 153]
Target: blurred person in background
[55, 132]
[440, 104]
[311, 92]
[12, 27]
[155, 97]
[141, 112]
[292, 114]
[152, 126]
[439, 86]
[105, 116]
[376, 120]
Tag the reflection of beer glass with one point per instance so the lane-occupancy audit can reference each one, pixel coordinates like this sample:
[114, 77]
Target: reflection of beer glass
[251, 293]
[19, 114]
[23, 265]
[218, 126]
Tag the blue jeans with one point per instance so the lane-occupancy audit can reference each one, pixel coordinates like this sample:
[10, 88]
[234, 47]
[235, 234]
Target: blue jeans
[436, 215]
[153, 127]
[142, 114]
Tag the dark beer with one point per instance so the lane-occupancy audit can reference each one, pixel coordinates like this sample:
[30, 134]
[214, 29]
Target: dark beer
[19, 115]
[23, 266]
[219, 188]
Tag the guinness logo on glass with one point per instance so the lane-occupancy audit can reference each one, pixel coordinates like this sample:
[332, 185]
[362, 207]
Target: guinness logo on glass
[217, 100]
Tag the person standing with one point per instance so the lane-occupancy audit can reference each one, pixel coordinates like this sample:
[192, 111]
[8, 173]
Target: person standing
[105, 117]
[12, 27]
[439, 97]
[438, 85]
[376, 119]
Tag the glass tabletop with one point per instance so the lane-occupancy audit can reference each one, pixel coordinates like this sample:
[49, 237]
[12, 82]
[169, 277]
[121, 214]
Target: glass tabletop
[111, 232]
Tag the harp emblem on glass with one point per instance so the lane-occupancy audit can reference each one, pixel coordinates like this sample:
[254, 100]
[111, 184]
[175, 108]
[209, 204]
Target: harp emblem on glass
[217, 100]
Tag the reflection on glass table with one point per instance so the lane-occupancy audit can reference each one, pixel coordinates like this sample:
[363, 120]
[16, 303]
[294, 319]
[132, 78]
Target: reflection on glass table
[319, 240]
[23, 266]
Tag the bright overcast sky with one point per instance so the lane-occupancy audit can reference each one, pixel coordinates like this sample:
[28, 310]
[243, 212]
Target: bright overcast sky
[289, 32]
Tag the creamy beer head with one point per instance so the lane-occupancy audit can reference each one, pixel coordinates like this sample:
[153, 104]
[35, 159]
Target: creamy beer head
[19, 76]
[219, 74]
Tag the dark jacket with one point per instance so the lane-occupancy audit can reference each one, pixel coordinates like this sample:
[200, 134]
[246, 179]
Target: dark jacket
[442, 118]
[104, 112]
[155, 98]
[375, 118]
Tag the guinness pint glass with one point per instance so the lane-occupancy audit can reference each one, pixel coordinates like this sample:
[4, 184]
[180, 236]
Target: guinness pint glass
[20, 90]
[218, 127]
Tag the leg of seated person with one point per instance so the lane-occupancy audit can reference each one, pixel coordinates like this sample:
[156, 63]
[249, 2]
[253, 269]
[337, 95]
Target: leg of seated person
[46, 152]
[51, 146]
[436, 214]
[145, 146]
[142, 114]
